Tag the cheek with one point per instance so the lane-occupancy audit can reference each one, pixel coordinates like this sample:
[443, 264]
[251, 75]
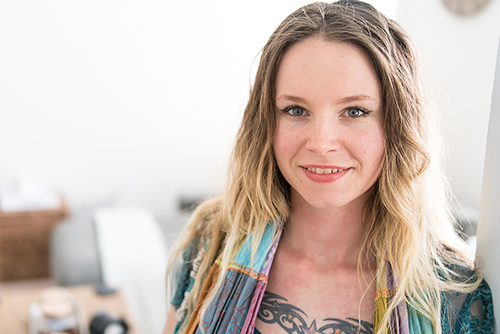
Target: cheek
[374, 150]
[283, 144]
[368, 147]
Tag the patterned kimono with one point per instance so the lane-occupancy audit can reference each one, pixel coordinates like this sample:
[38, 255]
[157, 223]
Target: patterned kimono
[236, 304]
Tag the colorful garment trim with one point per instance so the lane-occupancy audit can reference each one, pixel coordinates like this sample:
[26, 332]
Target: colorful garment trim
[234, 308]
[181, 311]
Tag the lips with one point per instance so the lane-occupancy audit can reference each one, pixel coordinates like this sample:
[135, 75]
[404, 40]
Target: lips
[325, 174]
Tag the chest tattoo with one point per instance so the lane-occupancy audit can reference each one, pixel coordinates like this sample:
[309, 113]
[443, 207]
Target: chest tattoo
[275, 309]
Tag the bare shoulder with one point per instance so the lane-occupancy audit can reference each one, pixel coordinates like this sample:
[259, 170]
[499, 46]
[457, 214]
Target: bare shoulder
[171, 321]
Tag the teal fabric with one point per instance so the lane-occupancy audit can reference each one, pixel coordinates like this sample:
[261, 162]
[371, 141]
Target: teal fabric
[234, 307]
[182, 277]
[418, 324]
[244, 258]
[475, 315]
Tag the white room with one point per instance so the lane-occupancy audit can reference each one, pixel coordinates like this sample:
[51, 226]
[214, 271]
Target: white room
[127, 111]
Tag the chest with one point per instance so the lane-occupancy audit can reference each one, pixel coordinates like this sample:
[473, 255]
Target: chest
[304, 300]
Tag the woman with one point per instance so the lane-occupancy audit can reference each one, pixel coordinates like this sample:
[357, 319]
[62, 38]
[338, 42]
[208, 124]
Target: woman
[335, 217]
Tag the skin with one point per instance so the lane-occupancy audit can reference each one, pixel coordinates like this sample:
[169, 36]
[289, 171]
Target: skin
[329, 115]
[275, 309]
[171, 321]
[329, 111]
[326, 82]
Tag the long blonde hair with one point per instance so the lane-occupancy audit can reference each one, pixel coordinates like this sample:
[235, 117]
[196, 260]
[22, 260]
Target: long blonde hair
[407, 219]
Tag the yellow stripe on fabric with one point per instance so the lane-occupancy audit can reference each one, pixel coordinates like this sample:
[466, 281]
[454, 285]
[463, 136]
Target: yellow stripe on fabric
[248, 271]
[381, 305]
[381, 299]
[245, 270]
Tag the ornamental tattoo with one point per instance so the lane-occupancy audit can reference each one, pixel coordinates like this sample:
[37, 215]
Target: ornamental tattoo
[275, 309]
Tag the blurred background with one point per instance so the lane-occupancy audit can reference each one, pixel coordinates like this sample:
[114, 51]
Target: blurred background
[139, 101]
[136, 103]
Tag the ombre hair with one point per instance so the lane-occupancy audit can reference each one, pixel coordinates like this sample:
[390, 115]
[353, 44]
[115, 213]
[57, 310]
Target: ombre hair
[407, 220]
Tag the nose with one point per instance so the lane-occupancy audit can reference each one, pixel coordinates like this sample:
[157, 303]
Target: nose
[324, 136]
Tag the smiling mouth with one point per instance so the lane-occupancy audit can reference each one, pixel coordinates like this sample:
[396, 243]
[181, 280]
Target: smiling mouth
[324, 171]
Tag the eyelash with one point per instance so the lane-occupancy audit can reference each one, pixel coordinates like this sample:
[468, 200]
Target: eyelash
[363, 111]
[290, 108]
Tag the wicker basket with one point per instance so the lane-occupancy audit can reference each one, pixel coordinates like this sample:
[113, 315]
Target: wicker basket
[24, 242]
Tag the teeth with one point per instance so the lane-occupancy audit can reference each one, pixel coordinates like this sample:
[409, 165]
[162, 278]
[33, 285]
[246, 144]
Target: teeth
[324, 171]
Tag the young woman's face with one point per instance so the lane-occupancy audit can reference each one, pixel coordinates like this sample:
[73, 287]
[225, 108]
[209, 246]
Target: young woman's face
[329, 142]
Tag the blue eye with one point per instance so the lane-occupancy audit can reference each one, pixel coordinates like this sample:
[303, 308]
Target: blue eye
[294, 111]
[356, 112]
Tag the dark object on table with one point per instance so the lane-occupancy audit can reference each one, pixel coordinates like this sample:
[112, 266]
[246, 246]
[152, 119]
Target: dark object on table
[104, 322]
[103, 290]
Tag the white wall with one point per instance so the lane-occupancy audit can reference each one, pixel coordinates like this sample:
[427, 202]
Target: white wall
[144, 96]
[489, 229]
[458, 60]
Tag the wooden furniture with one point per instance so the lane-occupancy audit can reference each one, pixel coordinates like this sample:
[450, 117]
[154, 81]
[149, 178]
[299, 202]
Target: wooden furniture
[16, 297]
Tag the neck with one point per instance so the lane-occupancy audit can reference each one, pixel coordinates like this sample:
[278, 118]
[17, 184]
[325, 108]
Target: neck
[331, 236]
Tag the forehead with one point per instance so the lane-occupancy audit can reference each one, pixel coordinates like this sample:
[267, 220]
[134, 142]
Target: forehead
[319, 69]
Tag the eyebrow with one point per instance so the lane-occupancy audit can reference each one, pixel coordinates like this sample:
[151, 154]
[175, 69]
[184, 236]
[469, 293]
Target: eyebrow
[359, 97]
[347, 99]
[291, 98]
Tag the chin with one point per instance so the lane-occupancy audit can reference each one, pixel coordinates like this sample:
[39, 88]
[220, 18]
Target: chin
[330, 203]
[333, 201]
